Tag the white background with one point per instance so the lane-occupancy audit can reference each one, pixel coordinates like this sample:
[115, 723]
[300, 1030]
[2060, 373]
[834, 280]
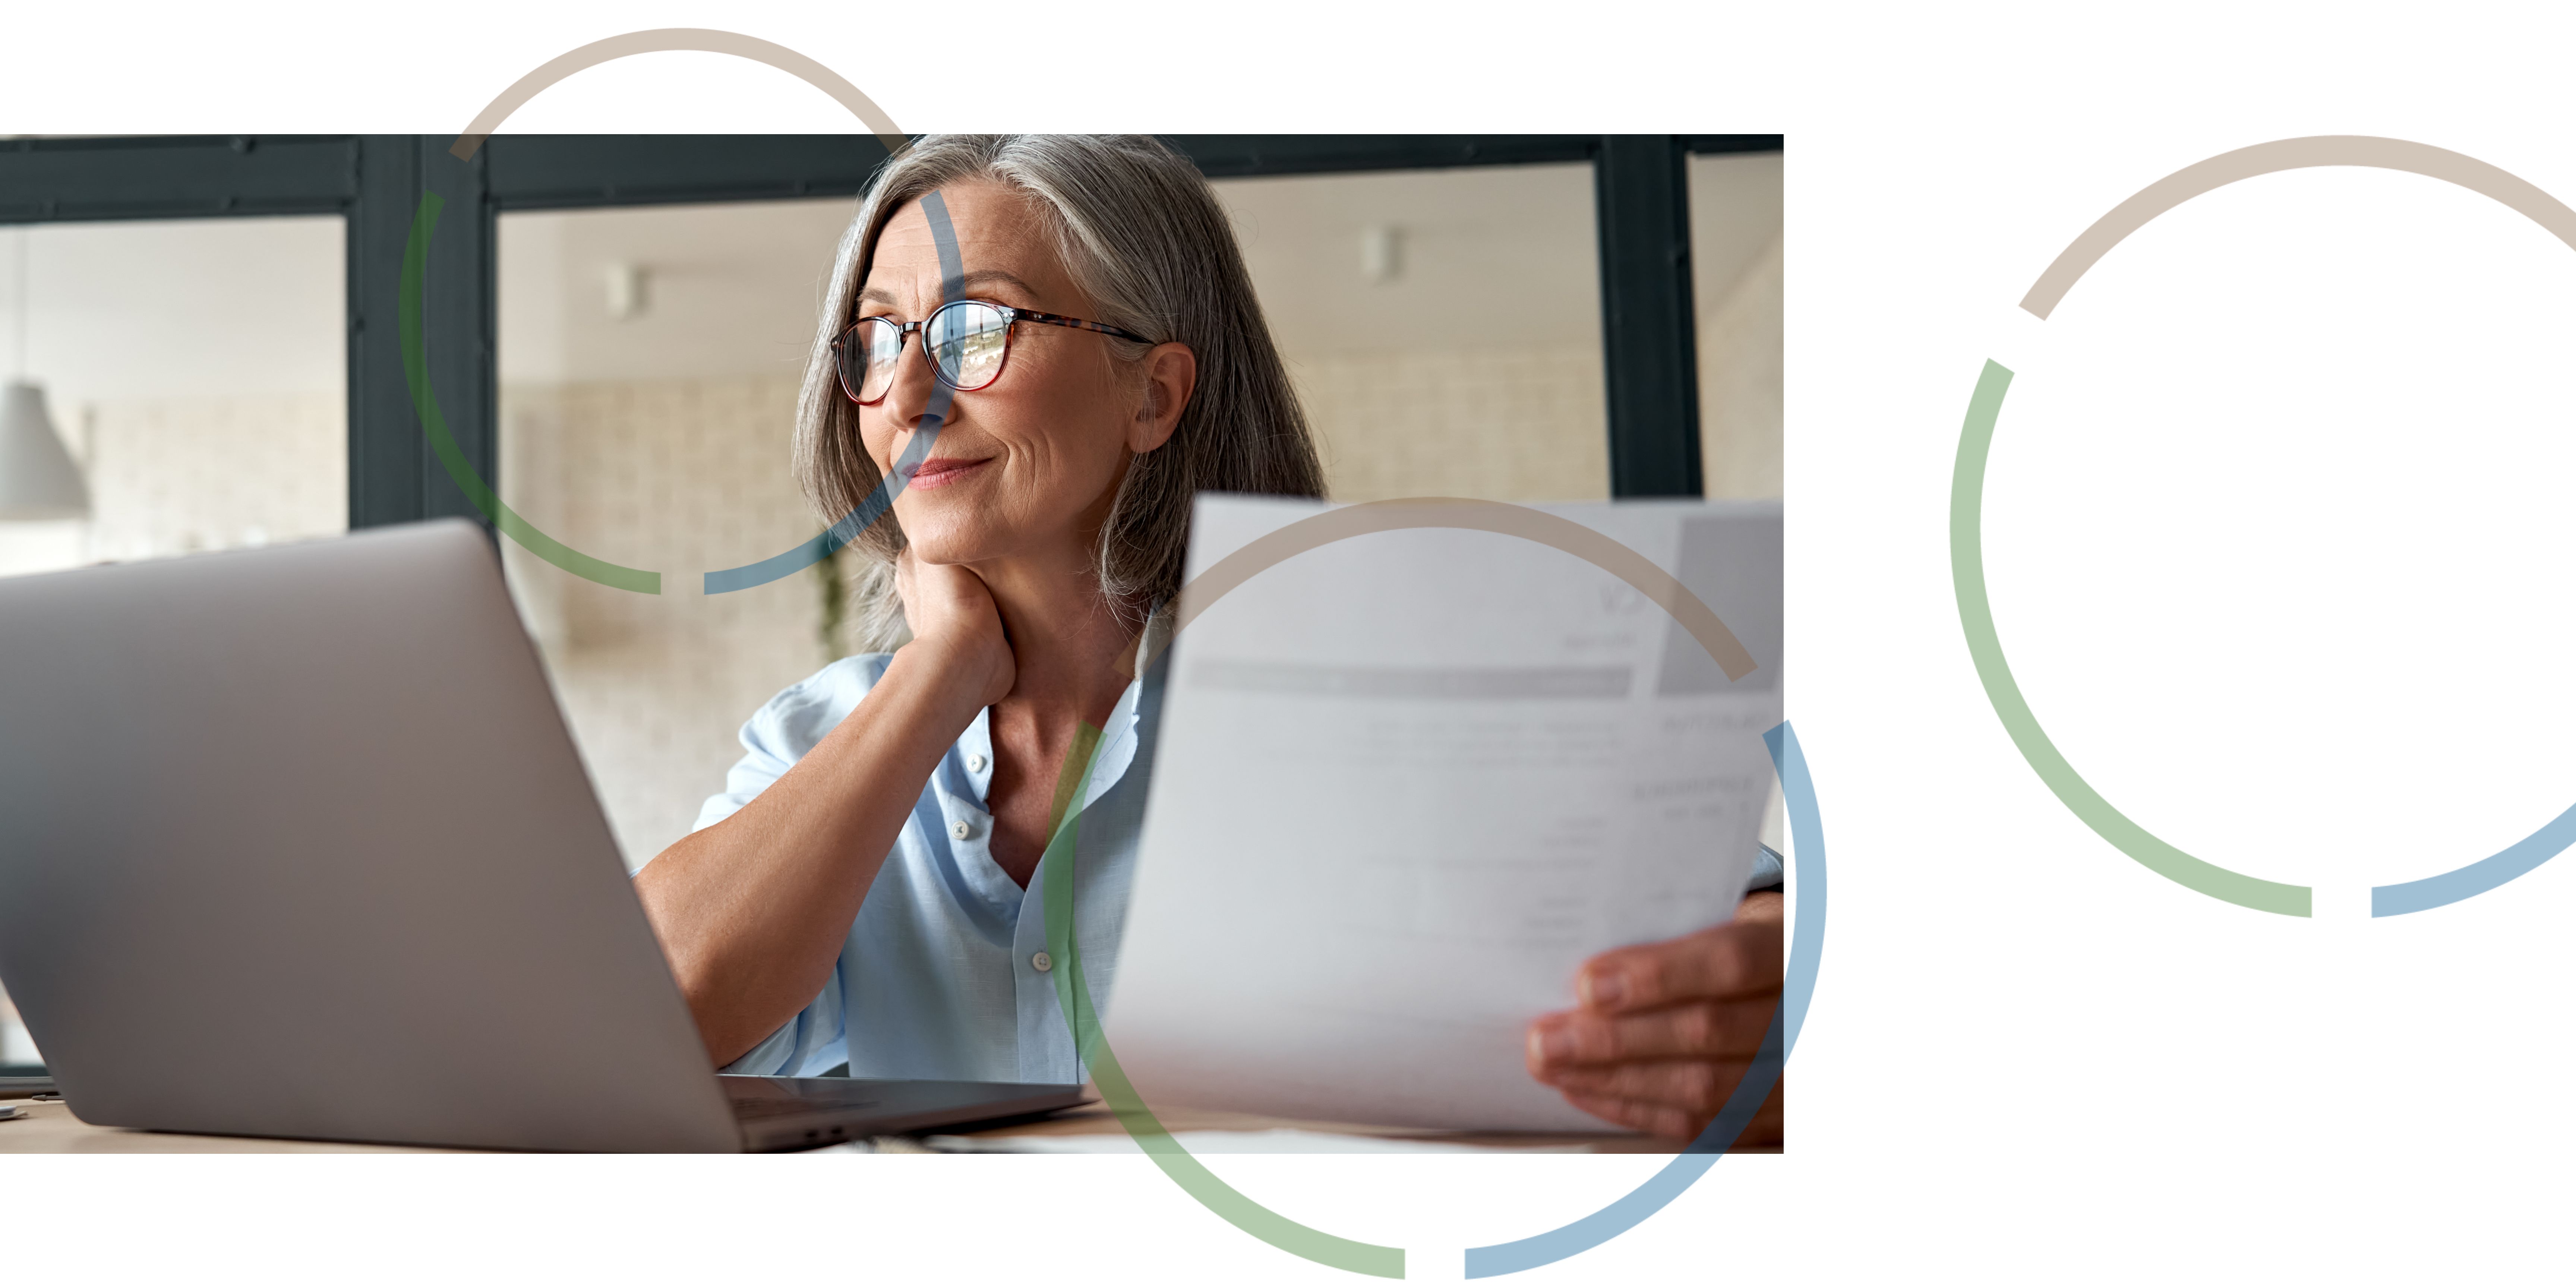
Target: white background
[2279, 551]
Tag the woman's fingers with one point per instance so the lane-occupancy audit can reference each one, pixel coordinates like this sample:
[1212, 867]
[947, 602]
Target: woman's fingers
[1635, 1115]
[1699, 1086]
[1666, 1030]
[1675, 1123]
[1729, 1028]
[1737, 959]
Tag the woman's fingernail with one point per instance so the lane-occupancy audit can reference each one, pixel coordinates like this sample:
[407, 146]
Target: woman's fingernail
[1555, 1044]
[1603, 989]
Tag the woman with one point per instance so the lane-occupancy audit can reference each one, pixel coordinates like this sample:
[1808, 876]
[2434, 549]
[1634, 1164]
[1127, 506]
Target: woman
[862, 889]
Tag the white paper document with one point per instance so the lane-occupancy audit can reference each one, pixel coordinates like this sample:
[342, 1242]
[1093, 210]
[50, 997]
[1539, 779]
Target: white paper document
[1408, 781]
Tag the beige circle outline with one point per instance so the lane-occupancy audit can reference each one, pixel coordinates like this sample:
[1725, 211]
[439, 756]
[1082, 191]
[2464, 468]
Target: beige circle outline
[2365, 150]
[701, 40]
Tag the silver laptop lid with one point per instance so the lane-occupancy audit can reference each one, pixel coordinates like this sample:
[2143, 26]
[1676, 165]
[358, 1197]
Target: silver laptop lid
[293, 842]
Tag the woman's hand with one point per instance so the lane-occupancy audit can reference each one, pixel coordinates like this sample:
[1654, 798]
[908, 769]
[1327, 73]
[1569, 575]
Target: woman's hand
[950, 610]
[1666, 1030]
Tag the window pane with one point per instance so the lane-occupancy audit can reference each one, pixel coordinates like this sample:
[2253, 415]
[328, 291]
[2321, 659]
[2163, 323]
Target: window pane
[649, 365]
[1735, 288]
[195, 373]
[1443, 327]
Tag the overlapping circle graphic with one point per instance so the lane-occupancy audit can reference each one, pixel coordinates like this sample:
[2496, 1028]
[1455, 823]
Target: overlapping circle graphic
[1967, 533]
[1806, 933]
[415, 270]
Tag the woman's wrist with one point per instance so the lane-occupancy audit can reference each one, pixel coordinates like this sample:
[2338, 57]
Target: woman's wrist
[943, 675]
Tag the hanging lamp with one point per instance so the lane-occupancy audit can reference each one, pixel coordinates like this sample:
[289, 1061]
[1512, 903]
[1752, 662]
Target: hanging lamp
[38, 479]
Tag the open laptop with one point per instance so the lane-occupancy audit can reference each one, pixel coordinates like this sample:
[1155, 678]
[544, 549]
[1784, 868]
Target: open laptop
[294, 842]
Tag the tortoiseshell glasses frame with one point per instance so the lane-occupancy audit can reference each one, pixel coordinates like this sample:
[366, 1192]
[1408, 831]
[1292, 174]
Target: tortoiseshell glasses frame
[972, 340]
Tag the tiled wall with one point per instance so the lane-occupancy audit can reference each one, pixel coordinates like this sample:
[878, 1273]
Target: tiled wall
[1739, 384]
[174, 475]
[1526, 425]
[681, 477]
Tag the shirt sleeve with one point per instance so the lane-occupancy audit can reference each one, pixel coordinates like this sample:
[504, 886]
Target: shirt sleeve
[804, 1046]
[773, 740]
[1768, 872]
[788, 726]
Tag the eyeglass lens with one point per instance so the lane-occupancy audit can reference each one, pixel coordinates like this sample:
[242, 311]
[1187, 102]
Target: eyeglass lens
[968, 340]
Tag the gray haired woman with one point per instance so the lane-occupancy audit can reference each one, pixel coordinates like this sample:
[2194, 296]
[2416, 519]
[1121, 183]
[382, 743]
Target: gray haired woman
[1042, 348]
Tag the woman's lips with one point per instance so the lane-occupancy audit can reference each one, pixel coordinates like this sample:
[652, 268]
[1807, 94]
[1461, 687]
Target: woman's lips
[941, 473]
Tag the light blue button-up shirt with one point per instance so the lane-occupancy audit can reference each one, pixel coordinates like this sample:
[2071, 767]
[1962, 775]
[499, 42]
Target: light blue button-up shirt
[945, 973]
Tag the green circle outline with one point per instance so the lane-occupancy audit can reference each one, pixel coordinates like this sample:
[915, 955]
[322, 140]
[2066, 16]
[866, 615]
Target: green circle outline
[442, 444]
[1977, 618]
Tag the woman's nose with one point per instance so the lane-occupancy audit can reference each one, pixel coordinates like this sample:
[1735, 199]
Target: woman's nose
[908, 399]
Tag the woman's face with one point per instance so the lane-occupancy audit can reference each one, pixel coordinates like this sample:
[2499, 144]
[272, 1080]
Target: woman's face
[1028, 465]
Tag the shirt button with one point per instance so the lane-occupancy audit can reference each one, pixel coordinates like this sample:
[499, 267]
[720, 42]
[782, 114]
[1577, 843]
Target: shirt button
[1041, 961]
[975, 764]
[962, 831]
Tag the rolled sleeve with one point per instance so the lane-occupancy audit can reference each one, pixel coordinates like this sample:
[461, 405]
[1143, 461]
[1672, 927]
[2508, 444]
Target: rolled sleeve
[1768, 872]
[788, 726]
[806, 1045]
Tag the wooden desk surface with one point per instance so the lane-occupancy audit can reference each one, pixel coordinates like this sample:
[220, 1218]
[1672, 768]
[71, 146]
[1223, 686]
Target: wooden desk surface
[50, 1128]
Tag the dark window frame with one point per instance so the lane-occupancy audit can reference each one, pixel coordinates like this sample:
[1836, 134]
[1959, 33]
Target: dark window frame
[378, 184]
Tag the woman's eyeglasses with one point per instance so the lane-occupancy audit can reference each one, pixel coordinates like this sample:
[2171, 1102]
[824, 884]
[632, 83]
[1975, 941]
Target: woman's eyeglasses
[966, 343]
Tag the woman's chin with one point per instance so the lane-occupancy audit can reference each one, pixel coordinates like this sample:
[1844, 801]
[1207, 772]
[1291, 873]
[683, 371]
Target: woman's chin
[935, 542]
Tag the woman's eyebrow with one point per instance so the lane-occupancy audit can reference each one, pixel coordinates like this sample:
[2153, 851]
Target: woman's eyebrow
[987, 276]
[980, 277]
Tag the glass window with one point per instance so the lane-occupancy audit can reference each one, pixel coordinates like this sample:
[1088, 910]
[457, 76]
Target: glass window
[1443, 327]
[1735, 217]
[194, 373]
[649, 362]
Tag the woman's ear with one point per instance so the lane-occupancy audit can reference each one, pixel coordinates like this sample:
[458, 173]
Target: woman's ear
[1171, 372]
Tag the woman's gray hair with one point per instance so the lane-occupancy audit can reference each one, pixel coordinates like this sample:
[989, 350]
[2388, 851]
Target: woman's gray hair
[1143, 237]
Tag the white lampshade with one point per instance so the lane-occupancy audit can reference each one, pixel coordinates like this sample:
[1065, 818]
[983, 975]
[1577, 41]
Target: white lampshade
[37, 477]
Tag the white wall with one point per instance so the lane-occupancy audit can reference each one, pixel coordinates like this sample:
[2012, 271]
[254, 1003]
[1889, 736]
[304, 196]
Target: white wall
[1736, 265]
[1475, 368]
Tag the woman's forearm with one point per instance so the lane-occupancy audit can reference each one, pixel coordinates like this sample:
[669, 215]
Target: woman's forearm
[752, 912]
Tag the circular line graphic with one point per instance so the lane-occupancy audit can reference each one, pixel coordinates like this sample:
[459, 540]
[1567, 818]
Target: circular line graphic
[1976, 616]
[1073, 993]
[1967, 547]
[2362, 150]
[701, 40]
[415, 264]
